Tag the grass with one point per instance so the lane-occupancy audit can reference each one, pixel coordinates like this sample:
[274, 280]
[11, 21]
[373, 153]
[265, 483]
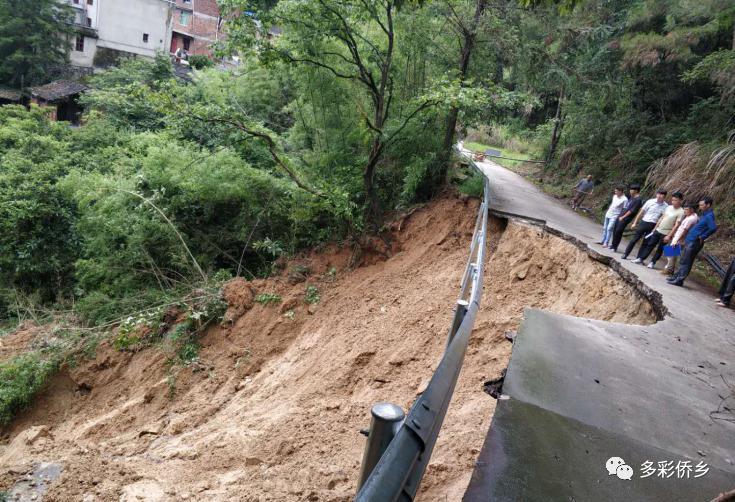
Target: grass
[22, 377]
[510, 154]
[473, 185]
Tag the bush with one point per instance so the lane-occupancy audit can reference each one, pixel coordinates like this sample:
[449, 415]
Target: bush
[312, 295]
[473, 185]
[20, 379]
[38, 240]
[200, 61]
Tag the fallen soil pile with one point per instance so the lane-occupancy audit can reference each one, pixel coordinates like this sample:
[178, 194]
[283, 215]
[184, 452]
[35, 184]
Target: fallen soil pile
[273, 407]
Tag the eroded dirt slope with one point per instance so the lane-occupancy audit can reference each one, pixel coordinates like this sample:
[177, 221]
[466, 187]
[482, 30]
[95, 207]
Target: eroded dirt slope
[274, 408]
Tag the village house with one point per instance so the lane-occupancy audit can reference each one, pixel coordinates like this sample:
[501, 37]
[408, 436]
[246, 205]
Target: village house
[196, 26]
[108, 29]
[61, 98]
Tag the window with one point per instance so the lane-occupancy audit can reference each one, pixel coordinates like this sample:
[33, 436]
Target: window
[184, 17]
[89, 22]
[76, 2]
[187, 1]
[79, 44]
[90, 2]
[145, 38]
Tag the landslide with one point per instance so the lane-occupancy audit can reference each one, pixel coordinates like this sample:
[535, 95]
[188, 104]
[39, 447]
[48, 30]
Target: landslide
[273, 408]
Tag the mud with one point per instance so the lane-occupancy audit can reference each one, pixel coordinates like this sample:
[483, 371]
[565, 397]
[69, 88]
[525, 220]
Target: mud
[273, 410]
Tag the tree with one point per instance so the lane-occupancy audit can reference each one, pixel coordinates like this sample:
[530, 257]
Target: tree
[353, 41]
[467, 33]
[34, 40]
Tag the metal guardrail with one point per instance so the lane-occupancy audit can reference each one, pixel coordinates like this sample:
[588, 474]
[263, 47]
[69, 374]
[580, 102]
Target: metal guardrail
[715, 264]
[396, 455]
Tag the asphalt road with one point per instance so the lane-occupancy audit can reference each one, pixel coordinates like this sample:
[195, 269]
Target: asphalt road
[579, 391]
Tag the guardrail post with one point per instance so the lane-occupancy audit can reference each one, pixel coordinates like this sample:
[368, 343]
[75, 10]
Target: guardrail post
[459, 314]
[386, 420]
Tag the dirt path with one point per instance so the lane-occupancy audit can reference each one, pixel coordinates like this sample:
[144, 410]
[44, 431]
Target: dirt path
[274, 408]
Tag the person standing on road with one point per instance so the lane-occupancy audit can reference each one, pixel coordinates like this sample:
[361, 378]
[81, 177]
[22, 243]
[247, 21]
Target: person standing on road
[611, 216]
[629, 211]
[581, 190]
[652, 210]
[663, 232]
[728, 286]
[695, 240]
[690, 219]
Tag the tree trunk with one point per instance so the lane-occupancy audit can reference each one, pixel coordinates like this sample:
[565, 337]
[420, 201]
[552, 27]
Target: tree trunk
[558, 126]
[373, 214]
[382, 97]
[451, 124]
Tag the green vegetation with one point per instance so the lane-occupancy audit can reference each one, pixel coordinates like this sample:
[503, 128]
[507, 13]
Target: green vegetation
[200, 61]
[623, 85]
[473, 184]
[170, 187]
[268, 298]
[312, 294]
[22, 377]
[34, 40]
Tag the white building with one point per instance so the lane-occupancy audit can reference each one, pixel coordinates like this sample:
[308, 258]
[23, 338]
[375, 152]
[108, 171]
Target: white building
[141, 27]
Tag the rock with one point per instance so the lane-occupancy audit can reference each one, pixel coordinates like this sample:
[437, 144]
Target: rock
[250, 461]
[311, 309]
[202, 486]
[298, 274]
[32, 434]
[147, 490]
[422, 386]
[154, 429]
[521, 271]
[243, 383]
[289, 304]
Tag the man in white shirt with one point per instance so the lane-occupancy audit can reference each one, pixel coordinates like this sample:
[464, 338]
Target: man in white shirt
[613, 212]
[664, 231]
[649, 214]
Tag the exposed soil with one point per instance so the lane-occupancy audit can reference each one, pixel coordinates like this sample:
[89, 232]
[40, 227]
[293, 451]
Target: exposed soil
[273, 410]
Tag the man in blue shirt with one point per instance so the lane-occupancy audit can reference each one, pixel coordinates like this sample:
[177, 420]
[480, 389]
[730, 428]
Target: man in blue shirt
[695, 241]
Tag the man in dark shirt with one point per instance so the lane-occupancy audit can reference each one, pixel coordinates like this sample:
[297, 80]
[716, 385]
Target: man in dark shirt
[695, 241]
[728, 286]
[582, 190]
[629, 211]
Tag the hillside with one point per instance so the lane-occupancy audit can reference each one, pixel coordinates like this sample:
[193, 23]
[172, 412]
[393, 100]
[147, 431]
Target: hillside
[272, 409]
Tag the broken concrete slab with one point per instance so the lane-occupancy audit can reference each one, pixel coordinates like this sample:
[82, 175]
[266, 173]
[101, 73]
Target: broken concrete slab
[534, 454]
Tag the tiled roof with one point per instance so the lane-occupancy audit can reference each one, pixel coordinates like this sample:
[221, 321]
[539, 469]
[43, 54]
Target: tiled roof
[58, 90]
[9, 94]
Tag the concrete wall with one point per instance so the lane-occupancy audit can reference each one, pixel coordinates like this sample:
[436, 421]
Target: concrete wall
[204, 27]
[86, 57]
[122, 23]
[84, 11]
